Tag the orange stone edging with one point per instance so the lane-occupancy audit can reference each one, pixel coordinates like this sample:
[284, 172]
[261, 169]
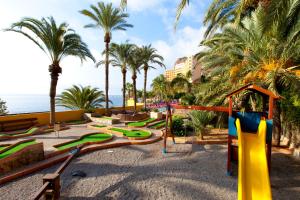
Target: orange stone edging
[62, 156]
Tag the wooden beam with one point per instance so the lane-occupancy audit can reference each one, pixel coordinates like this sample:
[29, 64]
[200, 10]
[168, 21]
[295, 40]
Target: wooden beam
[230, 106]
[271, 106]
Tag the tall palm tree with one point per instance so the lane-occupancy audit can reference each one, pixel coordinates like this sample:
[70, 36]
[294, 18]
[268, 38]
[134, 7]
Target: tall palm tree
[109, 19]
[222, 12]
[250, 54]
[57, 41]
[135, 63]
[79, 97]
[161, 87]
[120, 54]
[149, 57]
[129, 89]
[182, 82]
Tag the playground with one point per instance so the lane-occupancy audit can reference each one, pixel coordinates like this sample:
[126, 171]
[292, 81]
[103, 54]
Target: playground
[144, 167]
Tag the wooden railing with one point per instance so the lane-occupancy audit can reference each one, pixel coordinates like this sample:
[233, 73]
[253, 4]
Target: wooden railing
[51, 182]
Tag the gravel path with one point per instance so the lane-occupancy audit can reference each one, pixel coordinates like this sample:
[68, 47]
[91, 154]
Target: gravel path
[142, 172]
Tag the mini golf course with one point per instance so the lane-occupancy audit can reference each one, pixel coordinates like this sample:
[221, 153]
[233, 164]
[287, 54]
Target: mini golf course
[158, 125]
[89, 138]
[3, 147]
[133, 134]
[141, 123]
[28, 132]
[98, 126]
[16, 148]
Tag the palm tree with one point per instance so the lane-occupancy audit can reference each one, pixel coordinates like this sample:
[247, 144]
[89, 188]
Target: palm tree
[120, 54]
[79, 97]
[108, 19]
[200, 119]
[149, 57]
[57, 41]
[135, 63]
[129, 89]
[222, 12]
[161, 87]
[182, 82]
[248, 53]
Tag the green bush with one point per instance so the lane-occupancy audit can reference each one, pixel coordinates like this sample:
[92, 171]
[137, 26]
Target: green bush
[3, 108]
[177, 126]
[188, 100]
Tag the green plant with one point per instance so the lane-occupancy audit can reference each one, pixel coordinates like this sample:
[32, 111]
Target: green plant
[155, 110]
[200, 119]
[177, 126]
[3, 108]
[149, 57]
[109, 19]
[188, 99]
[79, 97]
[58, 42]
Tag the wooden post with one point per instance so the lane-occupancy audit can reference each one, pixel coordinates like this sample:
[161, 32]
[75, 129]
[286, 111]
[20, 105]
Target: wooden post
[229, 141]
[230, 106]
[166, 133]
[271, 106]
[53, 189]
[171, 122]
[229, 155]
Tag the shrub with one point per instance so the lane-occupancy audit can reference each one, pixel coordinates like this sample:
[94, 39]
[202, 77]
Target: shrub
[200, 119]
[188, 100]
[177, 126]
[3, 108]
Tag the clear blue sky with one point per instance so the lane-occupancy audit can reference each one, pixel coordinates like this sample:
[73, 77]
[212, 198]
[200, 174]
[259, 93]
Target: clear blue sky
[24, 67]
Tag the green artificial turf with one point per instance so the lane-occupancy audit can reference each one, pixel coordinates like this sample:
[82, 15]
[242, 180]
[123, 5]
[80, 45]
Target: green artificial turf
[77, 122]
[141, 123]
[158, 125]
[16, 148]
[134, 133]
[3, 147]
[97, 137]
[98, 126]
[29, 131]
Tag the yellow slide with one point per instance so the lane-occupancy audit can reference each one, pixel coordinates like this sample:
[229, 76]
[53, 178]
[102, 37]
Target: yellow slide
[253, 173]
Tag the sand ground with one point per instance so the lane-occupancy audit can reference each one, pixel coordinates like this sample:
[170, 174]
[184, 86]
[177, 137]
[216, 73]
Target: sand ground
[189, 171]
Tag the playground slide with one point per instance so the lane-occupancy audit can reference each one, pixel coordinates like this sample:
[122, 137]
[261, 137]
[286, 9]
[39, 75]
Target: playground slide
[253, 173]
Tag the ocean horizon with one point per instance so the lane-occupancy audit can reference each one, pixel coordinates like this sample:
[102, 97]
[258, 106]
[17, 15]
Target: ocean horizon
[27, 103]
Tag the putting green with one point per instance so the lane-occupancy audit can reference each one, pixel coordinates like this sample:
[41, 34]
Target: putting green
[97, 137]
[158, 125]
[141, 123]
[16, 148]
[98, 126]
[28, 132]
[133, 133]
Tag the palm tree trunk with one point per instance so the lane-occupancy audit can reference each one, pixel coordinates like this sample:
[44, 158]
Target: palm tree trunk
[124, 89]
[107, 41]
[145, 87]
[134, 91]
[54, 70]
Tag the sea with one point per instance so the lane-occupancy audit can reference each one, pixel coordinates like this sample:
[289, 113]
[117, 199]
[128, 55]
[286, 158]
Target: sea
[27, 103]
